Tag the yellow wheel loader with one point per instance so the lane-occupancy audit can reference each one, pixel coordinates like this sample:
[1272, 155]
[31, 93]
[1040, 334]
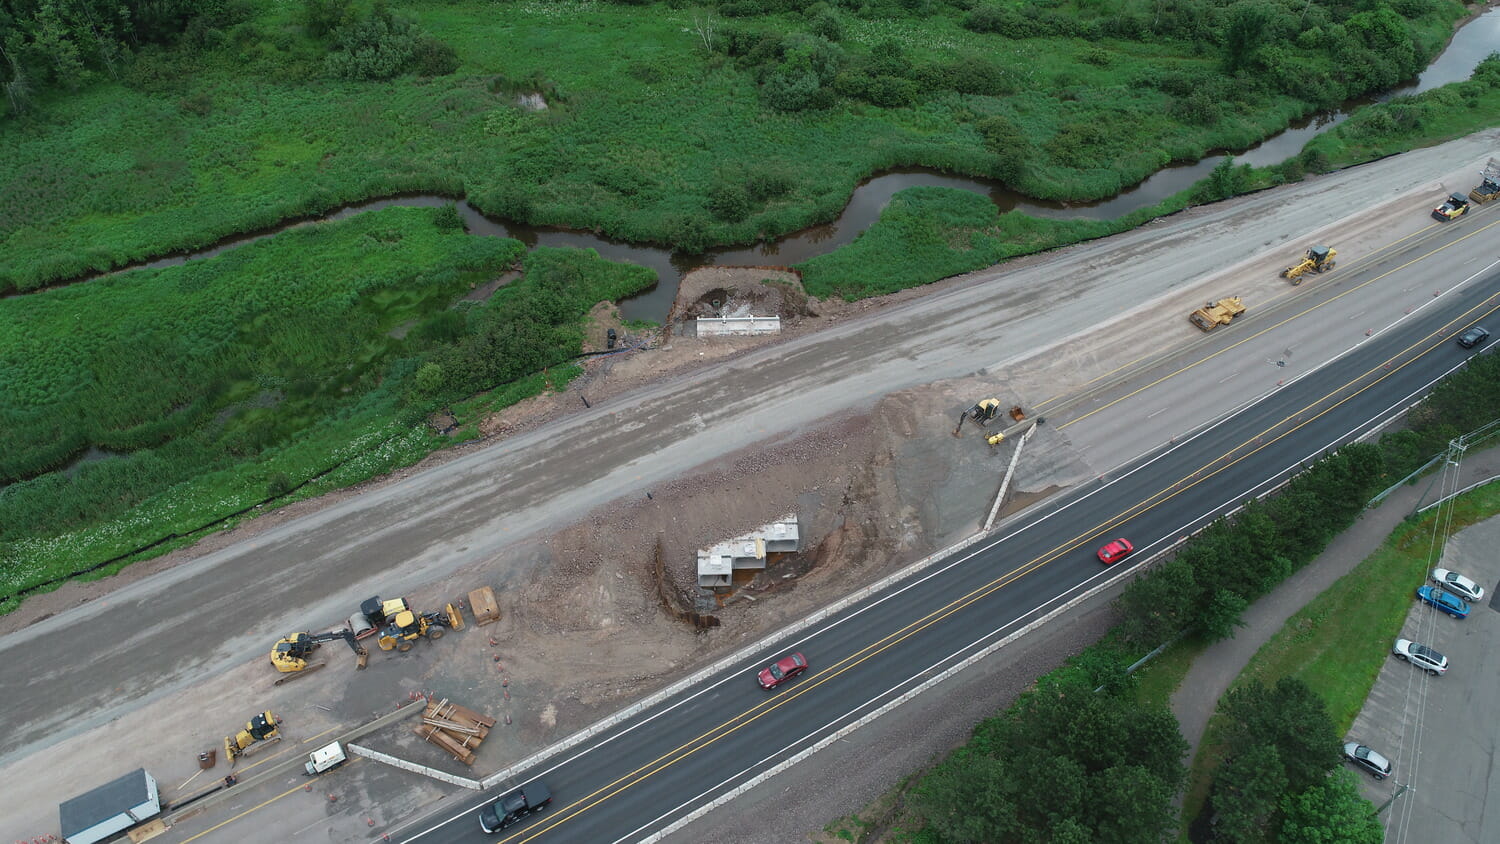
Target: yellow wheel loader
[1319, 259]
[406, 627]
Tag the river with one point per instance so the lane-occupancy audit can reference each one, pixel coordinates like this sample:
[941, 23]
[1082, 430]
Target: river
[1470, 44]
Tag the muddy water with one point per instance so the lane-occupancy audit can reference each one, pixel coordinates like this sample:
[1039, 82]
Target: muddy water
[1469, 46]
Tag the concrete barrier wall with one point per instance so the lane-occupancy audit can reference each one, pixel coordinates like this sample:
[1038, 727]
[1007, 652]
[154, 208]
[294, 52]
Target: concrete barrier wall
[729, 326]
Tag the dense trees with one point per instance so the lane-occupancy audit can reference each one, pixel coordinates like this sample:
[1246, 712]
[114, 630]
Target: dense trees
[1279, 781]
[1212, 578]
[1062, 764]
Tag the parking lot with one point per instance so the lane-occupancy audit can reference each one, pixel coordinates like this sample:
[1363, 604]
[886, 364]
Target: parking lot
[1440, 733]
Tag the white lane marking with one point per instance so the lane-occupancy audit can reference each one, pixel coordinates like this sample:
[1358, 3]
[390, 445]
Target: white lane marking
[744, 654]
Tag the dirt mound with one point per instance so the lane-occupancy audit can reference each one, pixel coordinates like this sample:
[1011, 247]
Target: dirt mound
[742, 291]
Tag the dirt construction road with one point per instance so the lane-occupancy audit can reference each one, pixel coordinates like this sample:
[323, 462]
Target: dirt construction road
[1030, 327]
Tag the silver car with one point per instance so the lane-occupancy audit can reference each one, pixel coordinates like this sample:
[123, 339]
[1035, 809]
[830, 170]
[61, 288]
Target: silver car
[1421, 656]
[1459, 585]
[1378, 766]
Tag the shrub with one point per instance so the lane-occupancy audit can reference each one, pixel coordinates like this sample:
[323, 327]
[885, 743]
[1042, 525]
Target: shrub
[729, 201]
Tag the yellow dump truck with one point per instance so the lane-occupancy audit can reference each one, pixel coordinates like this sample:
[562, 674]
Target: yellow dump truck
[1218, 313]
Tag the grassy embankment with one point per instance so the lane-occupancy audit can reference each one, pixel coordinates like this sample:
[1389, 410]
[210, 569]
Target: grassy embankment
[664, 141]
[279, 370]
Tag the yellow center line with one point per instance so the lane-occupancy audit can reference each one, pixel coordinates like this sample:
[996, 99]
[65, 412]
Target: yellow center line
[1274, 326]
[760, 710]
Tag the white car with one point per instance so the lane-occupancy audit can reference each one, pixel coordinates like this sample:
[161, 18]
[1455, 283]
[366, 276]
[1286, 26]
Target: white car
[1421, 656]
[1458, 584]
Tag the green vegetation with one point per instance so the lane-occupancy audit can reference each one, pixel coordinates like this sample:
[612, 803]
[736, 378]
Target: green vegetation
[710, 128]
[926, 233]
[1281, 779]
[276, 370]
[1337, 644]
[1430, 117]
[1111, 764]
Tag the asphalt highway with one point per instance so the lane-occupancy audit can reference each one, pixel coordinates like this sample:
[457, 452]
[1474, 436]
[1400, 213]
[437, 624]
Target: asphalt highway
[396, 537]
[643, 775]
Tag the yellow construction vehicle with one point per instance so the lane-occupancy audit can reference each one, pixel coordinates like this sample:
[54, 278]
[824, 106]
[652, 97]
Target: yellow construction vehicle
[1319, 259]
[1489, 183]
[290, 655]
[406, 627]
[983, 413]
[260, 731]
[1218, 313]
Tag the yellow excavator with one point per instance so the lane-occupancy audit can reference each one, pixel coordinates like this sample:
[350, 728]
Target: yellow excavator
[406, 626]
[261, 730]
[1319, 259]
[290, 655]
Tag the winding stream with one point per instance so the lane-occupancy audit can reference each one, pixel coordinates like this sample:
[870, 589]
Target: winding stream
[1469, 46]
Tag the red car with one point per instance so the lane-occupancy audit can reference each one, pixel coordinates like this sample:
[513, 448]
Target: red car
[782, 670]
[1115, 551]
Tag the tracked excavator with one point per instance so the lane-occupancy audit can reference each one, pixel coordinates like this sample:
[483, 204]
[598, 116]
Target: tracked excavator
[260, 731]
[290, 655]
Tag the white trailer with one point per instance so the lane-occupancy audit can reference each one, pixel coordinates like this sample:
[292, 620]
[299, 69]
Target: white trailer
[110, 809]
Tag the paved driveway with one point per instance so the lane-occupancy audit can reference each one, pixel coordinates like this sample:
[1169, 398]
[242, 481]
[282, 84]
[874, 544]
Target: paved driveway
[1440, 732]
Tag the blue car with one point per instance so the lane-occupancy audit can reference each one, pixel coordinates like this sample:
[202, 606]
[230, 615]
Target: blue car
[1450, 604]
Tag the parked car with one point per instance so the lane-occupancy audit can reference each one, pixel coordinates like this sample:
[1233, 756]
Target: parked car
[1456, 206]
[1473, 337]
[1115, 551]
[1458, 584]
[1450, 604]
[1378, 766]
[1421, 656]
[782, 670]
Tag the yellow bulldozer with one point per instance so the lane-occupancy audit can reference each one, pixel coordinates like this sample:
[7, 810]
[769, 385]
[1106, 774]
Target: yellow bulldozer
[1215, 314]
[406, 627]
[261, 730]
[1319, 259]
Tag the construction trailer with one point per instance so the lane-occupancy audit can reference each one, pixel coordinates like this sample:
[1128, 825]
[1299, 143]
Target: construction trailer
[110, 809]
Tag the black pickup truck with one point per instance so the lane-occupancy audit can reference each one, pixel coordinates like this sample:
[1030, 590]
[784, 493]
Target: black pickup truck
[511, 808]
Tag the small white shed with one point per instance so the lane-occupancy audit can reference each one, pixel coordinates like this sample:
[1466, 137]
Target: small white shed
[109, 809]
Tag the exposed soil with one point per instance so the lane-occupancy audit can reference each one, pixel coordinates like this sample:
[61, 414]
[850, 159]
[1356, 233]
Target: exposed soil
[588, 631]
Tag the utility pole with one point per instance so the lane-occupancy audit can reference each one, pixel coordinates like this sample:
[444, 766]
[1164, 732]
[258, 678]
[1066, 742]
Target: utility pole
[1400, 791]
